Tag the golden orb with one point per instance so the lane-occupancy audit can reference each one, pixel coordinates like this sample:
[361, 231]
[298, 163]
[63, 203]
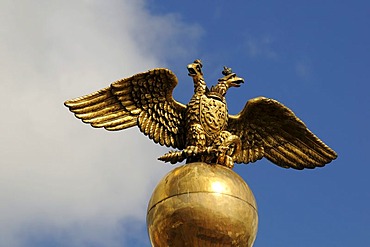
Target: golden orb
[199, 204]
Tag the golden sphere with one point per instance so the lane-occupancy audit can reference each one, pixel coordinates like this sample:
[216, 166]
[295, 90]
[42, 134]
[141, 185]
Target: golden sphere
[199, 204]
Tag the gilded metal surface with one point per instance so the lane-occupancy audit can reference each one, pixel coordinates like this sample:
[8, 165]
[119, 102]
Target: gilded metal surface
[213, 115]
[202, 205]
[264, 128]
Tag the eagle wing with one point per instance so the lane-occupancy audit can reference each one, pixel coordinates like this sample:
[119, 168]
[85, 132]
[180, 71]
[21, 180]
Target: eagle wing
[144, 99]
[269, 129]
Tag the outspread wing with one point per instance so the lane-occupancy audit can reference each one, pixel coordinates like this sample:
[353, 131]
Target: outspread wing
[144, 99]
[269, 129]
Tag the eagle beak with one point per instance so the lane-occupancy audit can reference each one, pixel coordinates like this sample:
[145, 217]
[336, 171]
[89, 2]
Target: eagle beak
[232, 80]
[236, 81]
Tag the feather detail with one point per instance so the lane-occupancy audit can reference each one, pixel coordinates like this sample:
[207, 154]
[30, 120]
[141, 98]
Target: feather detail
[144, 100]
[268, 128]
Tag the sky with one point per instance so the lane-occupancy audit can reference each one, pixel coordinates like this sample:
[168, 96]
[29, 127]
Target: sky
[63, 183]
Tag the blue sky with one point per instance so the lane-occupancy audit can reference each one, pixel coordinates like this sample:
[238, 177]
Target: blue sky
[313, 56]
[64, 183]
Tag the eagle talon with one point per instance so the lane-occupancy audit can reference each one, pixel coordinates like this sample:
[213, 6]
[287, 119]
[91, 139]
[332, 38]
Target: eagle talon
[222, 149]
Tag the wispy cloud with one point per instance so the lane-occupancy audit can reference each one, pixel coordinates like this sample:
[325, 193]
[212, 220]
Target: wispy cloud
[261, 47]
[63, 182]
[303, 69]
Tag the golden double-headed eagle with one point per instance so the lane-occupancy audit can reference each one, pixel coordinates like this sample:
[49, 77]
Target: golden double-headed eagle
[203, 130]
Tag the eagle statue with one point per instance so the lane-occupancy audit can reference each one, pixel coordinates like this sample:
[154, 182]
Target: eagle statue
[203, 130]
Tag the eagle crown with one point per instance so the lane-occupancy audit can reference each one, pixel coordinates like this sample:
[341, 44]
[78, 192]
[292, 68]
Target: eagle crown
[229, 80]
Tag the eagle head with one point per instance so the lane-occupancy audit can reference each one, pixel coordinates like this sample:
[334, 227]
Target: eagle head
[230, 78]
[195, 69]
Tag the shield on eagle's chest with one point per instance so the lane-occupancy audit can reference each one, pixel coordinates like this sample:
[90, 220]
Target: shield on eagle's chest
[213, 115]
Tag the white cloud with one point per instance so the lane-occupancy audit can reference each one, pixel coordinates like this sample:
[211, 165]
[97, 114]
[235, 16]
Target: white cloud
[60, 178]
